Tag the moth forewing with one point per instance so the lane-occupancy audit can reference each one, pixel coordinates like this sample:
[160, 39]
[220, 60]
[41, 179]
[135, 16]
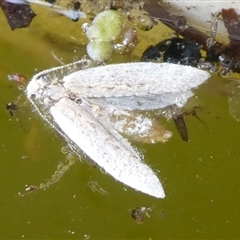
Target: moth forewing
[104, 148]
[134, 79]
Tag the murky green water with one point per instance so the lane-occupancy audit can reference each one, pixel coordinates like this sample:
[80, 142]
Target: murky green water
[201, 178]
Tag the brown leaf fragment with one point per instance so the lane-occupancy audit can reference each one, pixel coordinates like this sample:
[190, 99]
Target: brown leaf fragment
[155, 9]
[232, 23]
[17, 15]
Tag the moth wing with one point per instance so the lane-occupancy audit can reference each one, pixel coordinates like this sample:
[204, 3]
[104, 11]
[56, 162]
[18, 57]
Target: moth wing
[135, 125]
[148, 102]
[133, 79]
[111, 152]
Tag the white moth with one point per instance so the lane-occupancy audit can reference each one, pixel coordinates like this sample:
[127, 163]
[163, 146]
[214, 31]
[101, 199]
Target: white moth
[79, 103]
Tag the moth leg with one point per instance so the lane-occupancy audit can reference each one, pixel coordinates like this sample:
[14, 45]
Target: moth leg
[62, 168]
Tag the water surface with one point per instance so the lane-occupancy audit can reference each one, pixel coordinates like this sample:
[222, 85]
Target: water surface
[201, 177]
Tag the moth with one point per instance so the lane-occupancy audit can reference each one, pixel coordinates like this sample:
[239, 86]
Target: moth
[80, 99]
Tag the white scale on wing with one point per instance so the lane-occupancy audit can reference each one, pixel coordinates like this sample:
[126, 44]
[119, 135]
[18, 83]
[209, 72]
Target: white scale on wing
[126, 86]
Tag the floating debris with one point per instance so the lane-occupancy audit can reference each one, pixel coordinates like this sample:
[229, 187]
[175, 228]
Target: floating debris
[18, 14]
[18, 78]
[99, 51]
[61, 169]
[75, 8]
[127, 43]
[181, 126]
[145, 23]
[181, 22]
[29, 190]
[100, 46]
[96, 188]
[11, 107]
[174, 50]
[220, 20]
[98, 30]
[140, 213]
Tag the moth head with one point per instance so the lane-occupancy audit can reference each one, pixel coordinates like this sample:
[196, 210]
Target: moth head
[36, 87]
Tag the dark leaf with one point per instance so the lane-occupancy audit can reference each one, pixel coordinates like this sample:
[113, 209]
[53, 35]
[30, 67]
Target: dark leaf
[18, 15]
